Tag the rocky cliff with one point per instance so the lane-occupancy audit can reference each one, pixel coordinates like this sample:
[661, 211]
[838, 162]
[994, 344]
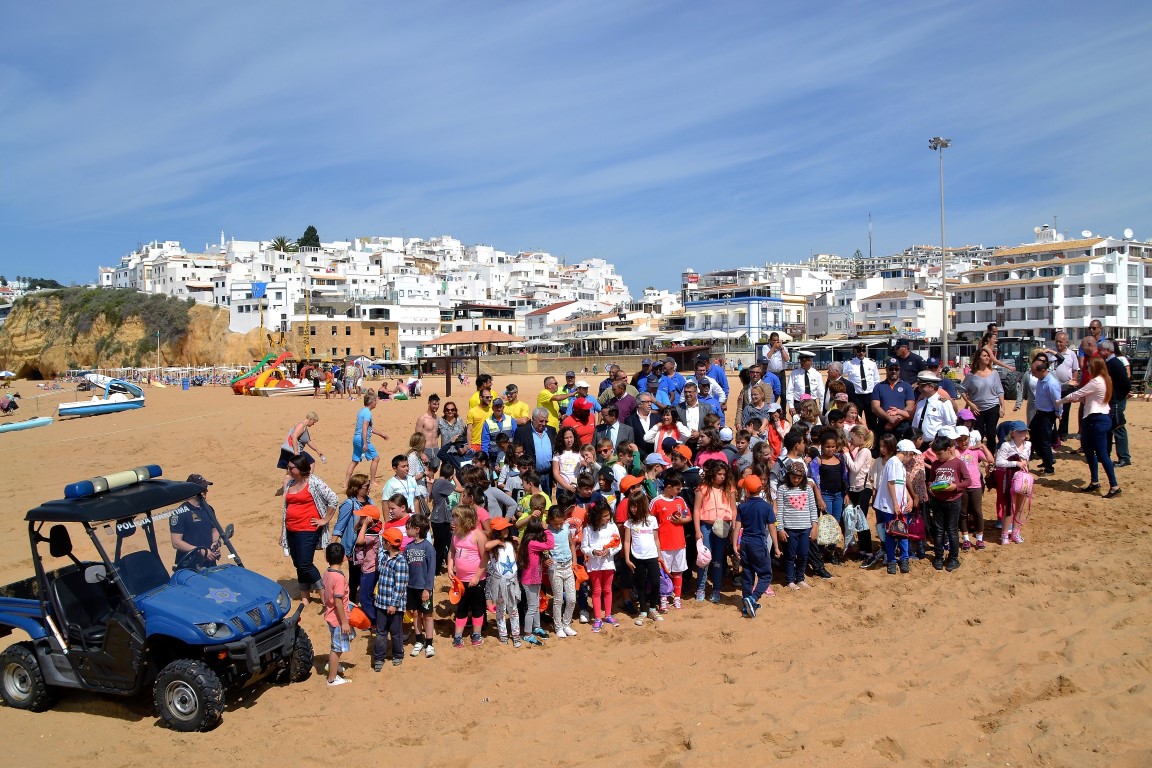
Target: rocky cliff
[37, 341]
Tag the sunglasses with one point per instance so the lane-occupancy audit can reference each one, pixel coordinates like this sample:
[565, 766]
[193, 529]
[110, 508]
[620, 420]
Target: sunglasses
[605, 451]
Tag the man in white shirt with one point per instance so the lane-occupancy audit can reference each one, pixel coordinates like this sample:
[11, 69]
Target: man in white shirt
[1066, 369]
[777, 356]
[863, 374]
[692, 411]
[933, 412]
[804, 381]
[702, 376]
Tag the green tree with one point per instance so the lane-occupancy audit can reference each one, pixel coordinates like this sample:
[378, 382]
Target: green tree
[858, 267]
[311, 238]
[283, 244]
[3, 281]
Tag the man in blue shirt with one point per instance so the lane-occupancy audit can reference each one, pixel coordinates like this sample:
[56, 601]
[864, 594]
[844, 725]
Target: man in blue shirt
[718, 374]
[672, 383]
[893, 403]
[1045, 395]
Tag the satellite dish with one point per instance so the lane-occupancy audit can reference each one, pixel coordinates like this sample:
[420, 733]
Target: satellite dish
[1086, 233]
[1059, 237]
[1128, 233]
[1036, 230]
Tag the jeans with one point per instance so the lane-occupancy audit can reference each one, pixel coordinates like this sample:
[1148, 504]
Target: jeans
[1119, 431]
[563, 593]
[757, 567]
[891, 543]
[367, 595]
[1042, 428]
[388, 623]
[1094, 431]
[719, 548]
[796, 554]
[545, 480]
[986, 422]
[302, 548]
[946, 516]
[834, 503]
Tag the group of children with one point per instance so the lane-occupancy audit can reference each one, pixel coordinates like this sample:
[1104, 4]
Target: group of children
[624, 528]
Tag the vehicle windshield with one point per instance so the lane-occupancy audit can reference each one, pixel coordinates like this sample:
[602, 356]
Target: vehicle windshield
[146, 548]
[1144, 346]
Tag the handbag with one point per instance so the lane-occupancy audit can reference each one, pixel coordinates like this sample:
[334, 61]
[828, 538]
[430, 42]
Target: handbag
[721, 528]
[358, 619]
[897, 527]
[1022, 483]
[915, 526]
[827, 531]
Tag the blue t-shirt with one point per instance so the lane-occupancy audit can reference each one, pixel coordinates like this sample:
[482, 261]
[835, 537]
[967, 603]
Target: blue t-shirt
[772, 380]
[893, 396]
[421, 556]
[755, 515]
[362, 418]
[672, 386]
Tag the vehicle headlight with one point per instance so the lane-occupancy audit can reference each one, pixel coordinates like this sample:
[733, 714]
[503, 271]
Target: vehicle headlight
[215, 629]
[283, 601]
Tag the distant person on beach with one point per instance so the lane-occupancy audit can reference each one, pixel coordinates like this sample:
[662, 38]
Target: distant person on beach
[298, 439]
[362, 448]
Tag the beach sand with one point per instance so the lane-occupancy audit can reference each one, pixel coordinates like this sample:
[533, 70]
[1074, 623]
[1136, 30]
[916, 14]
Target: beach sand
[1034, 654]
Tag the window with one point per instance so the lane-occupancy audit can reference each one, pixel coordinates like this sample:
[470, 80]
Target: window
[333, 330]
[387, 331]
[347, 350]
[371, 351]
[334, 352]
[312, 332]
[918, 303]
[903, 305]
[372, 331]
[347, 330]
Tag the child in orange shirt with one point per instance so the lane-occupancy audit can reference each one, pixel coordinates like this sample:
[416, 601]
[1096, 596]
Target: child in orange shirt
[672, 513]
[337, 604]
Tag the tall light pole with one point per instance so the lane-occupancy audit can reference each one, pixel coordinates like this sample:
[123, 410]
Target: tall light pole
[938, 145]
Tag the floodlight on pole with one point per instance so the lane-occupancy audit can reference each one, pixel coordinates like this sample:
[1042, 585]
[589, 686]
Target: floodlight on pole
[938, 145]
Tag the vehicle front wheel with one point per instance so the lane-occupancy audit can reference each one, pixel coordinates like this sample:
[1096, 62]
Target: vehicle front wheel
[188, 696]
[300, 665]
[22, 685]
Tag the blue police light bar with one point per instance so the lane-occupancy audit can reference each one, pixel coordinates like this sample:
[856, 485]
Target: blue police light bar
[105, 483]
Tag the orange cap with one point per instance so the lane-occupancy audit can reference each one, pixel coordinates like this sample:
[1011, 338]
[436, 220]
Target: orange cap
[500, 523]
[629, 482]
[752, 484]
[369, 510]
[456, 592]
[684, 451]
[393, 536]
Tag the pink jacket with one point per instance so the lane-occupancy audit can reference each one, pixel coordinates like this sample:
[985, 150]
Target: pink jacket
[531, 573]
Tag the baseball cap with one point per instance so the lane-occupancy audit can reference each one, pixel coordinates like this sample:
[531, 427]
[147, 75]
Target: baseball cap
[1018, 426]
[653, 381]
[949, 432]
[500, 523]
[773, 407]
[806, 353]
[655, 458]
[570, 375]
[975, 436]
[669, 444]
[930, 378]
[806, 396]
[199, 480]
[752, 484]
[629, 482]
[581, 405]
[646, 361]
[841, 397]
[966, 414]
[933, 362]
[762, 360]
[368, 510]
[907, 446]
[893, 363]
[497, 402]
[684, 451]
[900, 343]
[392, 536]
[962, 432]
[581, 383]
[726, 434]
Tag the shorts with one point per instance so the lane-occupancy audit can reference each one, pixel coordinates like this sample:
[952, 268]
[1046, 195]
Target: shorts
[361, 453]
[675, 559]
[416, 601]
[341, 643]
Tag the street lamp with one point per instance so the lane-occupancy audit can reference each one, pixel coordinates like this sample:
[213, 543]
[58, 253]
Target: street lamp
[938, 145]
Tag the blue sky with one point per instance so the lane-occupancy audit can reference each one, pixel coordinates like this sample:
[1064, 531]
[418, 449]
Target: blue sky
[657, 135]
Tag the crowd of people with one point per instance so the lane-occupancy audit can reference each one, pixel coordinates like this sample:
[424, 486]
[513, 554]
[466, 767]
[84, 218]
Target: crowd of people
[627, 498]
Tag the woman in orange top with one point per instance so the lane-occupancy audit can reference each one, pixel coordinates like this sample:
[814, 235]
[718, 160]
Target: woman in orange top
[712, 517]
[309, 506]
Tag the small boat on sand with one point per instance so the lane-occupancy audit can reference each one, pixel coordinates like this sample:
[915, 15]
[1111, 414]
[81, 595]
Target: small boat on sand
[15, 426]
[118, 395]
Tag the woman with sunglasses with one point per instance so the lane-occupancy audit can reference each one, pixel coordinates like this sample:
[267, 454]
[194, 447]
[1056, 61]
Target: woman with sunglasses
[450, 425]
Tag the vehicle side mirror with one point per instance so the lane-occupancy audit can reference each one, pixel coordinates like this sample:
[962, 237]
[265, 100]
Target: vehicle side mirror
[95, 574]
[229, 531]
[59, 541]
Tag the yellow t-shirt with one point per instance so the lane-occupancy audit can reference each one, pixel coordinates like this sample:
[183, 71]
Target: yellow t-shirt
[475, 422]
[545, 401]
[474, 400]
[518, 410]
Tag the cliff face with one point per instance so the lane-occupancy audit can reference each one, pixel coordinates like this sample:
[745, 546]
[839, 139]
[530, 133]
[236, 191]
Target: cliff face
[36, 342]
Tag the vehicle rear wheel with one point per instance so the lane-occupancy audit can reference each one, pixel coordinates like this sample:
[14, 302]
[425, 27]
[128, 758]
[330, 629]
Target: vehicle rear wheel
[300, 665]
[22, 685]
[188, 696]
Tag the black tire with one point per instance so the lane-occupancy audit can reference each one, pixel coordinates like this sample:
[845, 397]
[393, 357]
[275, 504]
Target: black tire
[300, 664]
[22, 684]
[188, 696]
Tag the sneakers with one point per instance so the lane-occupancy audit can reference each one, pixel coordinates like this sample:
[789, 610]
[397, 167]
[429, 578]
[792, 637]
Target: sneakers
[715, 598]
[597, 625]
[583, 617]
[377, 666]
[397, 662]
[938, 564]
[700, 596]
[540, 633]
[560, 634]
[892, 567]
[824, 573]
[639, 621]
[501, 638]
[1017, 538]
[1004, 540]
[517, 642]
[953, 564]
[871, 561]
[966, 545]
[904, 565]
[663, 604]
[655, 615]
[676, 603]
[567, 630]
[416, 649]
[429, 651]
[477, 639]
[340, 673]
[339, 681]
[611, 621]
[750, 607]
[458, 641]
[979, 543]
[533, 640]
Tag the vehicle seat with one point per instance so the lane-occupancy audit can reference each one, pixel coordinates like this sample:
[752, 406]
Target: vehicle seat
[86, 608]
[142, 572]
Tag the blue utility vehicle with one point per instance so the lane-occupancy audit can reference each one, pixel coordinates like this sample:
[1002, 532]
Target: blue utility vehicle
[116, 619]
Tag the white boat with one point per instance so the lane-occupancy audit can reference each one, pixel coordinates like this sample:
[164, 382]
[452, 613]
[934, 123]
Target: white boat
[118, 395]
[288, 387]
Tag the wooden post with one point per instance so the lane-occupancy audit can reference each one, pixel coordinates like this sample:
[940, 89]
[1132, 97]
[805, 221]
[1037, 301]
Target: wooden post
[448, 376]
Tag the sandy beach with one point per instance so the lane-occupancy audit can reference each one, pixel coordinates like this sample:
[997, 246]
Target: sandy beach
[1034, 654]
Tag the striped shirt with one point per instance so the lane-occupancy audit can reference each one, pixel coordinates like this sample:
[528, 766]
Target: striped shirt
[392, 580]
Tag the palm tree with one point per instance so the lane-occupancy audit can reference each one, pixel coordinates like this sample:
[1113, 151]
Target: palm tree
[283, 244]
